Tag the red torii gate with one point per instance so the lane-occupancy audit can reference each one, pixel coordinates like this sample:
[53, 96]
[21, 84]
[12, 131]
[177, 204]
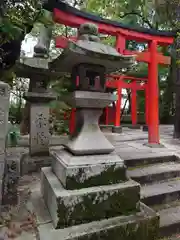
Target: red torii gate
[117, 82]
[67, 15]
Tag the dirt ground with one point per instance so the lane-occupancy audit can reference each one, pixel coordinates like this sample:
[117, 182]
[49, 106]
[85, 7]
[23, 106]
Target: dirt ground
[20, 221]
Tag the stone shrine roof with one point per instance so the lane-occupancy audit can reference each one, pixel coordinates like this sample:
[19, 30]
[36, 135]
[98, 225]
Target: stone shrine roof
[91, 52]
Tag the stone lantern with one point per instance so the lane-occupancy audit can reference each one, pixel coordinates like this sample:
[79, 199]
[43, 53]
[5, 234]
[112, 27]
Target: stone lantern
[89, 60]
[86, 189]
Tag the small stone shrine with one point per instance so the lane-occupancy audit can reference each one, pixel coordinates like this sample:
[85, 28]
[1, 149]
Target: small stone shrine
[39, 96]
[86, 189]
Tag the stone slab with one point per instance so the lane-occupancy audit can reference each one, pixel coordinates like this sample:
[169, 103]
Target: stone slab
[30, 164]
[170, 221]
[87, 99]
[131, 126]
[155, 173]
[68, 208]
[86, 171]
[135, 159]
[141, 226]
[36, 62]
[106, 128]
[163, 192]
[117, 129]
[154, 145]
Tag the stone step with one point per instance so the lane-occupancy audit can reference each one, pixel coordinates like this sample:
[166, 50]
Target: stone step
[169, 221]
[155, 173]
[134, 159]
[161, 193]
[141, 226]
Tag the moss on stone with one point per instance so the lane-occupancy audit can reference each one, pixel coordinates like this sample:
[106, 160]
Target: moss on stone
[111, 175]
[142, 230]
[97, 206]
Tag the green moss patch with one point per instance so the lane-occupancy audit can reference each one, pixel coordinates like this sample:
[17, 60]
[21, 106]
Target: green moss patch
[111, 175]
[97, 206]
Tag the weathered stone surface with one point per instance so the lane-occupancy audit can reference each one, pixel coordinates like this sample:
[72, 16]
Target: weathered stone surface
[2, 165]
[155, 173]
[10, 183]
[137, 126]
[169, 221]
[39, 130]
[4, 112]
[88, 138]
[87, 99]
[93, 53]
[39, 97]
[117, 129]
[86, 171]
[35, 62]
[163, 192]
[87, 132]
[68, 208]
[30, 164]
[139, 158]
[106, 128]
[140, 226]
[154, 145]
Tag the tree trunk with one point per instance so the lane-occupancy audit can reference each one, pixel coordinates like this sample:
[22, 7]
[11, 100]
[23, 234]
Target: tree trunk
[168, 94]
[177, 89]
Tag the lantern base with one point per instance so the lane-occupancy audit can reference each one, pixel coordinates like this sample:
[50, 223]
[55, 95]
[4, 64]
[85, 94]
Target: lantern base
[76, 172]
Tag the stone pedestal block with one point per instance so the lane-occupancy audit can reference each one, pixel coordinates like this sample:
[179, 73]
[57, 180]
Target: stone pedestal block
[76, 172]
[39, 129]
[29, 164]
[68, 208]
[143, 225]
[106, 128]
[88, 138]
[131, 126]
[88, 99]
[117, 129]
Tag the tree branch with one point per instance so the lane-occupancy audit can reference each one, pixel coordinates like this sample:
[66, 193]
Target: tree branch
[139, 15]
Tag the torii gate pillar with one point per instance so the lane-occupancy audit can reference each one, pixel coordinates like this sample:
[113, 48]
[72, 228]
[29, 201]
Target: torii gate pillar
[153, 95]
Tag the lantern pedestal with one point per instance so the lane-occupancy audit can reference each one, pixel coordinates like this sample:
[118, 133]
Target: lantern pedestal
[88, 138]
[86, 189]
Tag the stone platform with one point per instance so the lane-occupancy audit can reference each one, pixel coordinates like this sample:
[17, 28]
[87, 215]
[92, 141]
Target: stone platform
[124, 227]
[151, 167]
[68, 208]
[77, 190]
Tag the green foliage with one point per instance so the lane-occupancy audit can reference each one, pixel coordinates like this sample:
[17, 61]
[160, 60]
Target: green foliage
[18, 17]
